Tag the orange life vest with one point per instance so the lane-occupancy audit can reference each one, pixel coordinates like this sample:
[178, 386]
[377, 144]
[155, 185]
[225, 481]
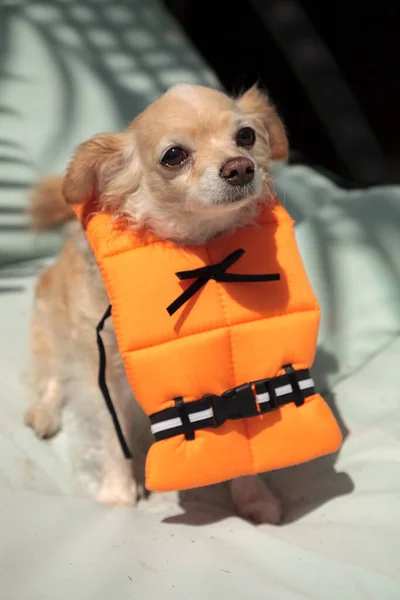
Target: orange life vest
[225, 377]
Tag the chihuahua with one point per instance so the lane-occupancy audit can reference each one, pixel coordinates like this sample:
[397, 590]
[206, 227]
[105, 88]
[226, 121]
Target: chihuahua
[193, 165]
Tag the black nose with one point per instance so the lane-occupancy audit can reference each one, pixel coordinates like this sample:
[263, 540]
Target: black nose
[238, 171]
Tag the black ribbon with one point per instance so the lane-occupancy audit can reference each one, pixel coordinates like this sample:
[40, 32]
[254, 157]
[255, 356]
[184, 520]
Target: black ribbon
[104, 388]
[218, 273]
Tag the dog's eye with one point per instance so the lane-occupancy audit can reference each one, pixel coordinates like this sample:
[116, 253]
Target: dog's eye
[245, 137]
[174, 157]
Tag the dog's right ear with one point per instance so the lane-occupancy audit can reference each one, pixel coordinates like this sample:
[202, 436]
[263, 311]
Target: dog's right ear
[104, 166]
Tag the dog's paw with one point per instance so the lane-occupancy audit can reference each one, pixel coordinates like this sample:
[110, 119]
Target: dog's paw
[254, 501]
[261, 512]
[116, 495]
[45, 423]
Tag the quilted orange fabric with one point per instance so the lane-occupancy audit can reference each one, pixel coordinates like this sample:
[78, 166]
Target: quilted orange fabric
[227, 334]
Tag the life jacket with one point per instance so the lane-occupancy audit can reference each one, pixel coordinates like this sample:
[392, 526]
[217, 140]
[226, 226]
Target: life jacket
[217, 342]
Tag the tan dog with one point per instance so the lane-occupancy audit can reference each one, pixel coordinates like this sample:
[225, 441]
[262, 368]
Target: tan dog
[194, 164]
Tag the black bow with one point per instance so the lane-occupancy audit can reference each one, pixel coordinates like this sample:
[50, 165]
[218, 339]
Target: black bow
[218, 273]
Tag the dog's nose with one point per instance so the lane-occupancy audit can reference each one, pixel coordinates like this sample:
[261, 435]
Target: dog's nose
[238, 171]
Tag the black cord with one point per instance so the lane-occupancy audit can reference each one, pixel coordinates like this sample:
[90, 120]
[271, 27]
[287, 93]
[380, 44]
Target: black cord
[103, 386]
[218, 273]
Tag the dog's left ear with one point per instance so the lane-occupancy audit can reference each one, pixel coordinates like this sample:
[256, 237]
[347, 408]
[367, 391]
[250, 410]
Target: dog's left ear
[257, 106]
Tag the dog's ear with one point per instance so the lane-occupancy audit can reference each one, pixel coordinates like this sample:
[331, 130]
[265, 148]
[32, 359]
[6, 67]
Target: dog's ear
[106, 166]
[258, 107]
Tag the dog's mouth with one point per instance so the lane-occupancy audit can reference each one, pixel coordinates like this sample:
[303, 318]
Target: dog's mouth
[238, 195]
[230, 203]
[221, 197]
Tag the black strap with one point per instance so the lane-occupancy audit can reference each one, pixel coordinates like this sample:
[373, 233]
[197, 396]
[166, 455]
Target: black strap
[216, 272]
[269, 387]
[297, 393]
[104, 388]
[186, 424]
[245, 401]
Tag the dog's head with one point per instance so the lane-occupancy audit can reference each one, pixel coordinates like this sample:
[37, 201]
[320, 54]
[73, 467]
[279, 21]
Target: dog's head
[193, 164]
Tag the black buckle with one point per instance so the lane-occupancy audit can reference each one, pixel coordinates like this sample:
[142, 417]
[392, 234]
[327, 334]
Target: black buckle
[237, 403]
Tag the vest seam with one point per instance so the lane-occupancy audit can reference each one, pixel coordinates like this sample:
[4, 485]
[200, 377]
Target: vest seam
[214, 329]
[232, 364]
[226, 325]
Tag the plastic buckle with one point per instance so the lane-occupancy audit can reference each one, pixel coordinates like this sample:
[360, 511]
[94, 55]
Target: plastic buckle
[237, 403]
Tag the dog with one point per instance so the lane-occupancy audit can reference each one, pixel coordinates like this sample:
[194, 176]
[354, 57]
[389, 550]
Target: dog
[195, 164]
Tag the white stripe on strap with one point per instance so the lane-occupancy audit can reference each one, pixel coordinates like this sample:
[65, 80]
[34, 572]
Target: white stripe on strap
[201, 415]
[167, 424]
[264, 397]
[283, 390]
[305, 384]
